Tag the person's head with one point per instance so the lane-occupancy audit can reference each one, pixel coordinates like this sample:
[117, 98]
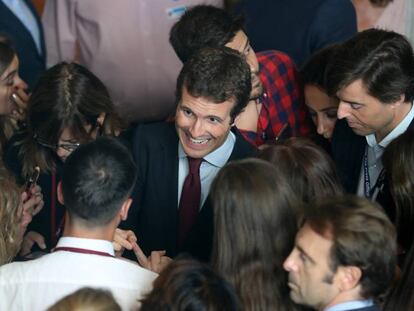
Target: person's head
[96, 183]
[322, 107]
[69, 106]
[10, 215]
[87, 299]
[192, 286]
[398, 160]
[212, 89]
[372, 74]
[254, 221]
[345, 250]
[307, 168]
[208, 26]
[10, 80]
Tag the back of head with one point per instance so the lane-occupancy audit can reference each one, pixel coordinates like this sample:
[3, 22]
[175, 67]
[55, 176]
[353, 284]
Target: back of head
[202, 26]
[192, 286]
[383, 60]
[10, 204]
[307, 168]
[254, 220]
[87, 299]
[362, 237]
[216, 74]
[398, 159]
[67, 96]
[97, 178]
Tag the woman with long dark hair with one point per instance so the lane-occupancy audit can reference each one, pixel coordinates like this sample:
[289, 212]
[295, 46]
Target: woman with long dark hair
[255, 225]
[69, 106]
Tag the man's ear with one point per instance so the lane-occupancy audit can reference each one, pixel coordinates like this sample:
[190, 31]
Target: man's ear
[349, 277]
[60, 193]
[398, 102]
[123, 213]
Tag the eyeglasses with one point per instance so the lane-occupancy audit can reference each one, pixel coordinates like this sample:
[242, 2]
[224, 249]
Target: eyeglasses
[67, 146]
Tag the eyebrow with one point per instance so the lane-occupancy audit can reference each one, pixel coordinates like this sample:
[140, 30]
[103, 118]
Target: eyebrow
[305, 253]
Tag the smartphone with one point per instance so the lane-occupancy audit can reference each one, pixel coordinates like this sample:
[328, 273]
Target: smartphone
[32, 181]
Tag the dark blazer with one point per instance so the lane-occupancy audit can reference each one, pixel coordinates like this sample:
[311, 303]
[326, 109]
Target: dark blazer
[348, 151]
[32, 64]
[154, 212]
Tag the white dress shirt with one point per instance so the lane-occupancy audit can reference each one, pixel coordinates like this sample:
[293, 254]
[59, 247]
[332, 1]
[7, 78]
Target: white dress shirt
[37, 284]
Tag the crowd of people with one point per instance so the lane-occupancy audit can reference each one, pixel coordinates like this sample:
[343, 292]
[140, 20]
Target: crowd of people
[274, 180]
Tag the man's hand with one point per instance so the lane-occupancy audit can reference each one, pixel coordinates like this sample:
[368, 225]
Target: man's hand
[29, 240]
[123, 239]
[156, 262]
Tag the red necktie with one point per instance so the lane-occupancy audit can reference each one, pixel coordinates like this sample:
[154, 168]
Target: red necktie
[190, 200]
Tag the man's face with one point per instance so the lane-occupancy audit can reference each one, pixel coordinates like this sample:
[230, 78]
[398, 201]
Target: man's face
[241, 43]
[365, 114]
[202, 125]
[311, 281]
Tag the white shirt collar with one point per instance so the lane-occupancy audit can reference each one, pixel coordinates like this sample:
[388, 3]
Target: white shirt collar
[89, 244]
[397, 131]
[351, 305]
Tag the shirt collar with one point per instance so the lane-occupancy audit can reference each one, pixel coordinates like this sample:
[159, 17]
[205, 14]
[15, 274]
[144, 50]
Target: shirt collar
[351, 305]
[89, 244]
[397, 131]
[218, 157]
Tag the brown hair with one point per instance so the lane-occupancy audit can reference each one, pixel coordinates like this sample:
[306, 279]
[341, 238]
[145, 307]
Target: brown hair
[307, 168]
[255, 225]
[362, 236]
[189, 285]
[66, 96]
[10, 214]
[398, 159]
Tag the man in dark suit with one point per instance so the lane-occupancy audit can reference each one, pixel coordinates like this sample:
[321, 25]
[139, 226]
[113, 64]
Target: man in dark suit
[344, 255]
[372, 75]
[21, 24]
[212, 89]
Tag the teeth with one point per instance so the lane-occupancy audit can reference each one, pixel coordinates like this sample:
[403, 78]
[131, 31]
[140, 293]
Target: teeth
[198, 141]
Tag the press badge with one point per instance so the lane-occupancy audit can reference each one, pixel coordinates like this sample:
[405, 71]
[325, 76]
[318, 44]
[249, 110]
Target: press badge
[177, 12]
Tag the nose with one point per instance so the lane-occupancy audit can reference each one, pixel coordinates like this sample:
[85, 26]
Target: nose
[289, 263]
[320, 127]
[62, 153]
[252, 62]
[343, 110]
[19, 83]
[196, 129]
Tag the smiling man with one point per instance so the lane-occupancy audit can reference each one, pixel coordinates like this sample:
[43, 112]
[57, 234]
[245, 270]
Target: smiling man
[344, 256]
[177, 162]
[372, 75]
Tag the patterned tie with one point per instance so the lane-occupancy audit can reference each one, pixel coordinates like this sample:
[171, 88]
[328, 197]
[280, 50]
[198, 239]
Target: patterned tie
[190, 200]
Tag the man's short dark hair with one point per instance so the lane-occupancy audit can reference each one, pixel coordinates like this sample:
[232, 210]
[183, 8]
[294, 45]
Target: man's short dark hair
[216, 74]
[362, 236]
[97, 178]
[383, 60]
[203, 26]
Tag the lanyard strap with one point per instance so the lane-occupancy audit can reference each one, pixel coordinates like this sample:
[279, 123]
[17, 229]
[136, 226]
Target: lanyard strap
[82, 251]
[368, 190]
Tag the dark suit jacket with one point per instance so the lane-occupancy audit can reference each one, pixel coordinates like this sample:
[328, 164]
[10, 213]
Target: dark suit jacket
[32, 64]
[348, 151]
[154, 214]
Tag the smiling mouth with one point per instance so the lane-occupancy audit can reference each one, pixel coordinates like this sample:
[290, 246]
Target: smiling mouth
[199, 141]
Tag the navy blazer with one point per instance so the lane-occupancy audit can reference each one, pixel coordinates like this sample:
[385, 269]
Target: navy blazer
[153, 215]
[348, 151]
[32, 63]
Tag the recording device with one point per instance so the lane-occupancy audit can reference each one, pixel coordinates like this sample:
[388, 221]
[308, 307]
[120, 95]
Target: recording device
[31, 182]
